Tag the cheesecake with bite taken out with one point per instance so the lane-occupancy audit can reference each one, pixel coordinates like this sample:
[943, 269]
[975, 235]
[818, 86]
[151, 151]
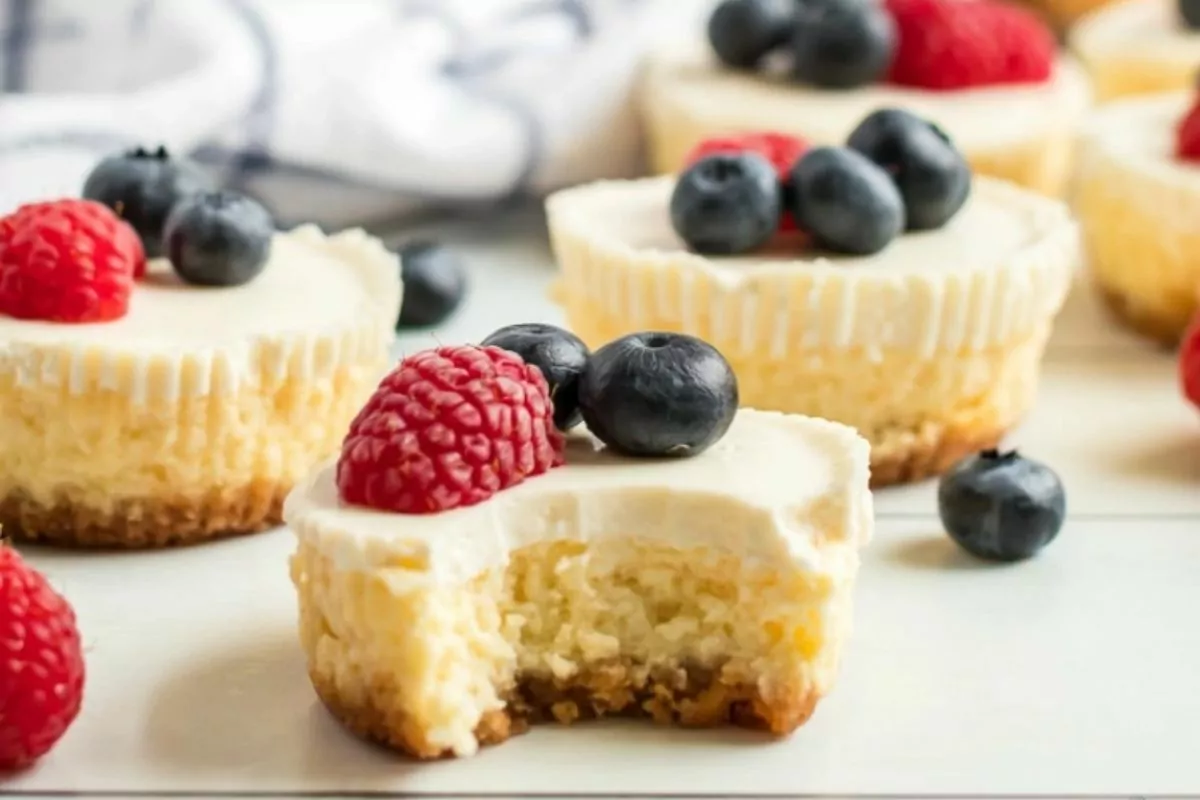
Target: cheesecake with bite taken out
[175, 399]
[477, 559]
[1137, 201]
[1137, 47]
[985, 72]
[876, 284]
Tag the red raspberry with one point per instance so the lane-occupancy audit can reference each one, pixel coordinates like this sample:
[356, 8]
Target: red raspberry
[1187, 135]
[957, 44]
[782, 150]
[449, 428]
[41, 664]
[67, 261]
[1189, 363]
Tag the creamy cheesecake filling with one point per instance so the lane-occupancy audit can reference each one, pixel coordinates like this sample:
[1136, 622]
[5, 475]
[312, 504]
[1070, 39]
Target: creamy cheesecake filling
[1139, 30]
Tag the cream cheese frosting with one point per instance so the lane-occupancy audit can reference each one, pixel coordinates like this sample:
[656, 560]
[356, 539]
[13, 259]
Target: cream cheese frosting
[318, 300]
[983, 117]
[994, 271]
[1143, 30]
[775, 488]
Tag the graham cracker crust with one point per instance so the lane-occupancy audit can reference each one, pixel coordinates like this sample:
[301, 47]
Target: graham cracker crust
[1162, 331]
[142, 524]
[929, 460]
[690, 698]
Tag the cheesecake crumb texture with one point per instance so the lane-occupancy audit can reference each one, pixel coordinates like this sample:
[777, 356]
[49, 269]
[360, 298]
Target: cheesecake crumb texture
[566, 632]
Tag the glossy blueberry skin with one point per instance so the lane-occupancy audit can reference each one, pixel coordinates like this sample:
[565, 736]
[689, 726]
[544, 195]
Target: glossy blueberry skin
[742, 32]
[435, 283]
[218, 238]
[1000, 506]
[1189, 12]
[847, 203]
[142, 186]
[658, 395]
[727, 203]
[930, 172]
[560, 355]
[842, 44]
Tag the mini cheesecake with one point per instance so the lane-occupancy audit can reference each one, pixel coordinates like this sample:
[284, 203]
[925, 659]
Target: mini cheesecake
[1138, 204]
[930, 347]
[707, 590]
[193, 414]
[1136, 47]
[1019, 131]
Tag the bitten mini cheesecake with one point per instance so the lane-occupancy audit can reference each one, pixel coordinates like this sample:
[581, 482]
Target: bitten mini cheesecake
[1136, 47]
[169, 401]
[911, 304]
[1138, 204]
[465, 569]
[814, 71]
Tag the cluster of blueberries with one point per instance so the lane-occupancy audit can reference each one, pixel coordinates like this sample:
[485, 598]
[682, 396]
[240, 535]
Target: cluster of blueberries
[212, 237]
[897, 172]
[650, 395]
[833, 44]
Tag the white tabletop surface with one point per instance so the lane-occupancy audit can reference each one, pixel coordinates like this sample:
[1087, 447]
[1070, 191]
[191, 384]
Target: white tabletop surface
[1077, 673]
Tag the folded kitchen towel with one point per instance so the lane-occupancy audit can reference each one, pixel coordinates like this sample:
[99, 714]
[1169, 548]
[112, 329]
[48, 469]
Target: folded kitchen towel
[339, 111]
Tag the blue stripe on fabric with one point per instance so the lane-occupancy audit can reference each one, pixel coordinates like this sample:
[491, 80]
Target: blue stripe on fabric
[139, 18]
[255, 157]
[17, 39]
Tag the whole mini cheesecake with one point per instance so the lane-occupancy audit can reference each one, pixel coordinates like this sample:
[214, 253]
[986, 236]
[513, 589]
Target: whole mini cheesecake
[1010, 102]
[170, 400]
[466, 567]
[1137, 199]
[912, 304]
[1135, 47]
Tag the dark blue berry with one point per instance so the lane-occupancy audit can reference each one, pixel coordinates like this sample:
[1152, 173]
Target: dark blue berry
[218, 238]
[847, 203]
[1001, 506]
[435, 283]
[841, 44]
[658, 394]
[743, 32]
[1189, 12]
[930, 172]
[559, 354]
[727, 203]
[142, 186]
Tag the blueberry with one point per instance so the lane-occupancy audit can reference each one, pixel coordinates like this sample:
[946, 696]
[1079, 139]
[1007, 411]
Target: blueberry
[841, 44]
[743, 32]
[1189, 12]
[142, 186]
[848, 204]
[560, 355]
[658, 394]
[218, 238]
[930, 172]
[1001, 506]
[434, 284]
[727, 203]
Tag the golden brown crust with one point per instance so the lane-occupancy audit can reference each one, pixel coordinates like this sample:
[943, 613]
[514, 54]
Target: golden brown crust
[693, 698]
[145, 523]
[1163, 330]
[929, 460]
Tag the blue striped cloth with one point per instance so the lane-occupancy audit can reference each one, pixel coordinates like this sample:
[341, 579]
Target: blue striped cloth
[339, 111]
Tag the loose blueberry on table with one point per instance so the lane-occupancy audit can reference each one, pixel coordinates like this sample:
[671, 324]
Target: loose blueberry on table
[658, 394]
[142, 186]
[560, 355]
[218, 238]
[1000, 506]
[932, 176]
[434, 284]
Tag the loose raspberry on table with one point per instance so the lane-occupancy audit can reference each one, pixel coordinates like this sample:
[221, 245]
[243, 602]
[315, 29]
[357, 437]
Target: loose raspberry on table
[1187, 135]
[958, 44]
[67, 261]
[1189, 363]
[781, 149]
[449, 428]
[41, 664]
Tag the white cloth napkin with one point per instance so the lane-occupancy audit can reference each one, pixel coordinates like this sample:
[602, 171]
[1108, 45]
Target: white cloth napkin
[339, 111]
